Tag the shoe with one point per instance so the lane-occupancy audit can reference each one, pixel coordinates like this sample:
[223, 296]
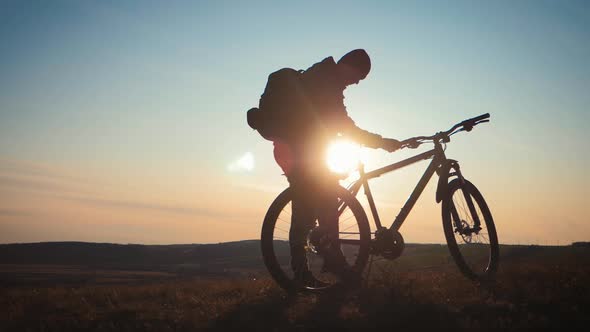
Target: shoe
[335, 262]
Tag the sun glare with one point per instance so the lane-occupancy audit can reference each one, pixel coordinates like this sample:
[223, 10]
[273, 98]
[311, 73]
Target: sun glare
[343, 156]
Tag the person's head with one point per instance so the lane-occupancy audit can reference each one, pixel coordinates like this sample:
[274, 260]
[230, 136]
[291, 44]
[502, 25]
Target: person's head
[354, 66]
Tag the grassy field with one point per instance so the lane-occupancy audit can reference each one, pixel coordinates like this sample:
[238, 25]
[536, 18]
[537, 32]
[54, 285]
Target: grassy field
[536, 287]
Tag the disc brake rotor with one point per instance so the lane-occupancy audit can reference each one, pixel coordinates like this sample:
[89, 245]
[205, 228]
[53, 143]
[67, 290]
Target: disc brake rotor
[466, 231]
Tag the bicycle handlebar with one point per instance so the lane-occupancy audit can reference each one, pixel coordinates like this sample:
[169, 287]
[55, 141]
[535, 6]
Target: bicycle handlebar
[479, 118]
[444, 136]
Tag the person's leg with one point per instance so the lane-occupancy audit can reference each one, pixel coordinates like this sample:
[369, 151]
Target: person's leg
[334, 259]
[327, 210]
[302, 221]
[301, 211]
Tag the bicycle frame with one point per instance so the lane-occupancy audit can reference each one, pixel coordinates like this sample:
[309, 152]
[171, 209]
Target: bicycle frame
[439, 164]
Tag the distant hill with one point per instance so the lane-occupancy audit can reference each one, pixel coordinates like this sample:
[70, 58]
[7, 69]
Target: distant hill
[236, 254]
[135, 256]
[51, 260]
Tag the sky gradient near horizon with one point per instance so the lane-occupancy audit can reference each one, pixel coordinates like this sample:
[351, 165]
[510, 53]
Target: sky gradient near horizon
[124, 121]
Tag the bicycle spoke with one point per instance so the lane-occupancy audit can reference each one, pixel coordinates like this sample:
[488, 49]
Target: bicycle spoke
[468, 215]
[462, 204]
[463, 208]
[344, 234]
[345, 219]
[283, 220]
[347, 228]
[475, 248]
[279, 252]
[465, 211]
[484, 236]
[284, 231]
[349, 237]
[459, 207]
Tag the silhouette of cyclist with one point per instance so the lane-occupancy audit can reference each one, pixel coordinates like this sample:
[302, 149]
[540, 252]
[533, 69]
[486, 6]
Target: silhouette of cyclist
[303, 160]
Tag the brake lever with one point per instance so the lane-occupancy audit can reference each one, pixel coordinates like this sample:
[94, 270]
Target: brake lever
[469, 126]
[412, 144]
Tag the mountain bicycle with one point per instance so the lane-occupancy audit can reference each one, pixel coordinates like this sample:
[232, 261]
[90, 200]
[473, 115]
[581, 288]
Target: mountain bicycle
[467, 222]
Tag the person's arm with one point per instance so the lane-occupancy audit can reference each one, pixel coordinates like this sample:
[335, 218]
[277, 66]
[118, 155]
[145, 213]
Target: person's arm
[367, 138]
[333, 104]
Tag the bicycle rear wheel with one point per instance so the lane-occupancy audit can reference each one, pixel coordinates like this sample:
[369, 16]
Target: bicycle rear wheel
[474, 249]
[354, 239]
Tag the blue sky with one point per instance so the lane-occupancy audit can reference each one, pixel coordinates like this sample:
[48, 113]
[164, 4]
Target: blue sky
[127, 96]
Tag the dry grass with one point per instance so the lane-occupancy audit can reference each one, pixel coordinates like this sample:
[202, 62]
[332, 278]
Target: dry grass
[527, 294]
[159, 306]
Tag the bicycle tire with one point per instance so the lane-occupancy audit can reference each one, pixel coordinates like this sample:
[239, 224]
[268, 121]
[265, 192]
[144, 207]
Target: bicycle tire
[478, 260]
[273, 247]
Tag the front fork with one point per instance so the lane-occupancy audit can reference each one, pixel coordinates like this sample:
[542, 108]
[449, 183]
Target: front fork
[452, 168]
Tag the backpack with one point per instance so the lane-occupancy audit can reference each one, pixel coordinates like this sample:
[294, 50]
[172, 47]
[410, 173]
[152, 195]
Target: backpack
[280, 105]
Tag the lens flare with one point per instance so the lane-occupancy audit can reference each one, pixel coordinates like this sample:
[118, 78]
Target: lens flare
[343, 156]
[243, 164]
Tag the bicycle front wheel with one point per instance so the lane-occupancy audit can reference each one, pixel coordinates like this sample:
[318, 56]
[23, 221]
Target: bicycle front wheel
[473, 247]
[354, 239]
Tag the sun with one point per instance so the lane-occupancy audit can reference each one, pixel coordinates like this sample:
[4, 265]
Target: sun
[343, 156]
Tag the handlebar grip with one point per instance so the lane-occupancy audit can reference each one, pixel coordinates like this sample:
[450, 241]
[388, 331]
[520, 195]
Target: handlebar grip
[478, 118]
[469, 123]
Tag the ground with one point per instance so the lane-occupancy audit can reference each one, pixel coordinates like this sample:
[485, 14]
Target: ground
[535, 288]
